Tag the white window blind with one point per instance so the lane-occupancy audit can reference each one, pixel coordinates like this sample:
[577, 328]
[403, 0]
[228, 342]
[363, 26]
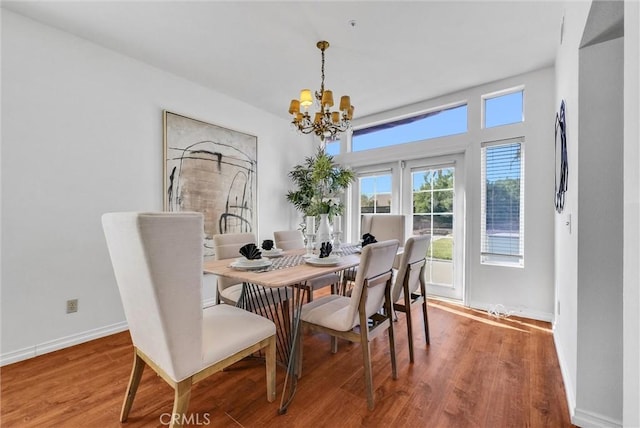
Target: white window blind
[502, 228]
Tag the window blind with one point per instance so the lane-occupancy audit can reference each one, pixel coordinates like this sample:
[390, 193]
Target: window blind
[502, 224]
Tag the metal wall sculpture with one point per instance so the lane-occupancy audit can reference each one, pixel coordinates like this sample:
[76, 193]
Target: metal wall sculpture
[562, 163]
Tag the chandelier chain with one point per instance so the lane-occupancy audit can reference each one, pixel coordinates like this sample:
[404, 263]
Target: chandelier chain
[322, 74]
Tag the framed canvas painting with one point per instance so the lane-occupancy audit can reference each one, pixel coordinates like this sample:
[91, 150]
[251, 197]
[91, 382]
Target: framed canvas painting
[212, 170]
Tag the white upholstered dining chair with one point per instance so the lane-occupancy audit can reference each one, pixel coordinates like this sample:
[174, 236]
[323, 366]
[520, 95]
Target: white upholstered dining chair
[288, 239]
[339, 315]
[409, 285]
[293, 240]
[227, 246]
[157, 261]
[383, 226]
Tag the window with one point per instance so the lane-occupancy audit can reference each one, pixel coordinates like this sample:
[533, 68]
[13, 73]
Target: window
[432, 194]
[433, 214]
[502, 228]
[503, 109]
[422, 127]
[333, 147]
[375, 194]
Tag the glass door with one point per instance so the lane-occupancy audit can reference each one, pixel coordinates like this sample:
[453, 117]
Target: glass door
[434, 203]
[430, 193]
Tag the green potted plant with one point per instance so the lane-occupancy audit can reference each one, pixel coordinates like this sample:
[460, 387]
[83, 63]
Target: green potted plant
[319, 182]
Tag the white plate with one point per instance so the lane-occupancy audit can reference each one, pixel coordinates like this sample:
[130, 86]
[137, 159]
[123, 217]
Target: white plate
[243, 264]
[274, 252]
[242, 261]
[326, 261]
[247, 262]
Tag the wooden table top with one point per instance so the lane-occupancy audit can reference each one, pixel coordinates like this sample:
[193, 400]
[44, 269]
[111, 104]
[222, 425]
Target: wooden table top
[279, 277]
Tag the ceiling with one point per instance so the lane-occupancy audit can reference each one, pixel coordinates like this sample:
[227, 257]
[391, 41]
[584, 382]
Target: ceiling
[263, 53]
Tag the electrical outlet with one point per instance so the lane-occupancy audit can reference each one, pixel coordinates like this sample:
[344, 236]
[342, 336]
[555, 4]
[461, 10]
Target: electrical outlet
[72, 306]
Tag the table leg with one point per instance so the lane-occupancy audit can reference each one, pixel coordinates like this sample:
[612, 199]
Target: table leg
[283, 306]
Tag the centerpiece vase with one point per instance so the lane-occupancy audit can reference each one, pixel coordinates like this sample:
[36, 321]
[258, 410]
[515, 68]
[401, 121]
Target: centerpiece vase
[323, 234]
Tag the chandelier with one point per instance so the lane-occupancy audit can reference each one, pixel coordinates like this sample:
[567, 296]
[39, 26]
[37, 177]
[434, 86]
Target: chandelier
[325, 123]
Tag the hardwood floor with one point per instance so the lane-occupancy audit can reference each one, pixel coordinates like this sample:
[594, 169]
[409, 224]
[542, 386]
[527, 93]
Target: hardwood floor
[477, 372]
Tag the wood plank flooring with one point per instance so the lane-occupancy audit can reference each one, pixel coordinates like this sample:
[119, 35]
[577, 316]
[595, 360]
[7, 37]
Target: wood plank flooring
[477, 372]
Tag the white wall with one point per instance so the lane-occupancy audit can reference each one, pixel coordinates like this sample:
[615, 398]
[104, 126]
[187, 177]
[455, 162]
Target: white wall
[600, 233]
[566, 239]
[599, 404]
[527, 291]
[631, 262]
[82, 135]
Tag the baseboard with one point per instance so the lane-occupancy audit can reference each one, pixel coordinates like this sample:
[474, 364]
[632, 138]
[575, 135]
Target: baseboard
[63, 342]
[75, 339]
[445, 299]
[566, 379]
[18, 355]
[579, 417]
[516, 311]
[583, 418]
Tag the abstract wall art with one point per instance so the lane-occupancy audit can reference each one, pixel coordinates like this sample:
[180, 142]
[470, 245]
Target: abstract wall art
[212, 170]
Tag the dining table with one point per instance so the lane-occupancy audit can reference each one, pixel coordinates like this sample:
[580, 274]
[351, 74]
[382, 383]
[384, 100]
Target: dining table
[277, 292]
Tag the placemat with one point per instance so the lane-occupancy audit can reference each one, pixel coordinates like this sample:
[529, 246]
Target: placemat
[348, 249]
[285, 262]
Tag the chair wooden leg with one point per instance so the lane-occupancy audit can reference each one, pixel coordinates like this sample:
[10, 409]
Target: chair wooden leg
[270, 363]
[345, 281]
[134, 381]
[425, 314]
[368, 377]
[181, 403]
[407, 311]
[286, 314]
[392, 342]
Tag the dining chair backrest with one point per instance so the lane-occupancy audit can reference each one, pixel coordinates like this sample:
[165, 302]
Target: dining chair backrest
[157, 261]
[227, 246]
[375, 260]
[288, 239]
[412, 264]
[383, 226]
